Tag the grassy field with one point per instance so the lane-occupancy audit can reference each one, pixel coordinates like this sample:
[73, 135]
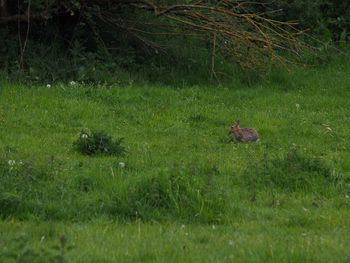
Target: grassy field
[188, 192]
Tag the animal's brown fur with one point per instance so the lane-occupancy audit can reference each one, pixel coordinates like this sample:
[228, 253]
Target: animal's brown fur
[244, 134]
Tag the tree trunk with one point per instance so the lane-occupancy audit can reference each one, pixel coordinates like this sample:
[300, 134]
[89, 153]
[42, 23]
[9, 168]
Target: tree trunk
[3, 8]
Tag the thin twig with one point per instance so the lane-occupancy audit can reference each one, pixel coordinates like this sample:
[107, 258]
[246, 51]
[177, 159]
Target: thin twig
[27, 35]
[19, 33]
[212, 72]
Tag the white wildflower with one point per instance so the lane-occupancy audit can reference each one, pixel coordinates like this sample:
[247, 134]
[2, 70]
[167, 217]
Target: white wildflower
[48, 86]
[297, 105]
[11, 162]
[121, 164]
[72, 83]
[84, 136]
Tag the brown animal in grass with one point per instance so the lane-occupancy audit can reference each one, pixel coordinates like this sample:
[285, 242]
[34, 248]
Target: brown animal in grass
[244, 134]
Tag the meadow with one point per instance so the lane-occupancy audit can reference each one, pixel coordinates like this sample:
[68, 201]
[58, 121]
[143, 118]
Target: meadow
[185, 191]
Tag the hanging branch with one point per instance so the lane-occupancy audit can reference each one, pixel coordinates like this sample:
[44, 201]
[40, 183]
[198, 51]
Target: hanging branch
[248, 38]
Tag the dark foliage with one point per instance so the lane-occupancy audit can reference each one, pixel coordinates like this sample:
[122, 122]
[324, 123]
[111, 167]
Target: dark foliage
[99, 142]
[92, 41]
[114, 41]
[325, 20]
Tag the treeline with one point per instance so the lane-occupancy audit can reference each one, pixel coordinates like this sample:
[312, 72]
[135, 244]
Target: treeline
[325, 20]
[121, 40]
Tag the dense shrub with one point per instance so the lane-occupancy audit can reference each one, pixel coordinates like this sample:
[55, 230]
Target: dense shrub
[99, 142]
[68, 40]
[325, 20]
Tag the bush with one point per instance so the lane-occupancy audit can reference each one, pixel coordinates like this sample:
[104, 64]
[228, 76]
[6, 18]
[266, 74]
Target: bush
[78, 44]
[99, 142]
[327, 20]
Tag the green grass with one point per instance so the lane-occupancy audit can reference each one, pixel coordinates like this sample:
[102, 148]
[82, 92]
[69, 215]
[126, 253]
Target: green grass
[187, 191]
[274, 241]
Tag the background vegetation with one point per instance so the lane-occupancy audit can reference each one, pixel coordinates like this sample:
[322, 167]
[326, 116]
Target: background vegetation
[128, 41]
[114, 141]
